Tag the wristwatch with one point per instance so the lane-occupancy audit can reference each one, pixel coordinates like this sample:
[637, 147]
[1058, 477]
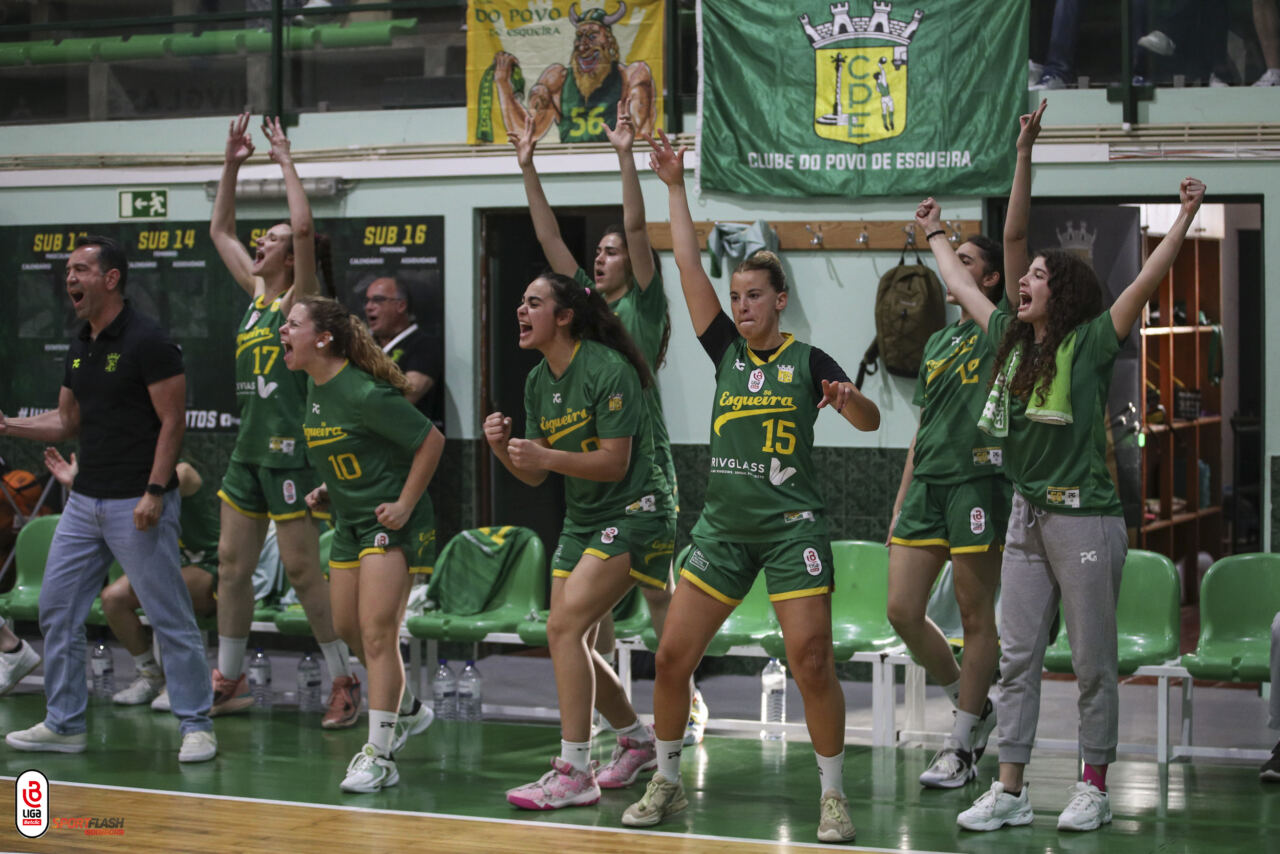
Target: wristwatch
[155, 489]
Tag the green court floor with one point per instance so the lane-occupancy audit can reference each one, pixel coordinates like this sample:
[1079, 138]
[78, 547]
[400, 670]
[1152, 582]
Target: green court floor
[737, 787]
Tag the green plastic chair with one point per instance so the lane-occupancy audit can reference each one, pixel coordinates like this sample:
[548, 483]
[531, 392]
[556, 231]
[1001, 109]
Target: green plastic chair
[1148, 624]
[293, 620]
[631, 615]
[859, 605]
[30, 554]
[1239, 597]
[522, 591]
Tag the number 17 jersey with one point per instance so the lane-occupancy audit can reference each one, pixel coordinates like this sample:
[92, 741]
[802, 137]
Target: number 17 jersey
[762, 479]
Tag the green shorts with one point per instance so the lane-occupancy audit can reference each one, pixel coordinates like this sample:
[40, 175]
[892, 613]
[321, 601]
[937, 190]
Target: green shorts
[417, 539]
[966, 517]
[206, 559]
[650, 539]
[793, 567]
[261, 493]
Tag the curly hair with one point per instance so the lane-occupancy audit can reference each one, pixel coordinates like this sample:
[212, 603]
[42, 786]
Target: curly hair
[351, 340]
[1075, 296]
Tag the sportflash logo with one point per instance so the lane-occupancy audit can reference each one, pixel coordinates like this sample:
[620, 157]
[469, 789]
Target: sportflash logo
[31, 804]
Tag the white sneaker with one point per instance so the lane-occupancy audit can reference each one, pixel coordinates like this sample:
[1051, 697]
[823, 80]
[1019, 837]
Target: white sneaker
[698, 717]
[199, 745]
[951, 768]
[15, 665]
[1034, 70]
[411, 724]
[1047, 82]
[834, 824]
[41, 738]
[369, 772]
[662, 798]
[996, 808]
[1157, 42]
[143, 689]
[1088, 809]
[1271, 78]
[161, 702]
[1216, 82]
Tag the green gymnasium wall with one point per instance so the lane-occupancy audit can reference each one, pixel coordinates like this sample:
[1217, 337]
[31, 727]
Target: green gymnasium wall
[831, 304]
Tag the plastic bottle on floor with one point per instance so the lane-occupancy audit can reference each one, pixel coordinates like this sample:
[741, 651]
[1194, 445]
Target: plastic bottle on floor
[773, 700]
[260, 679]
[309, 684]
[470, 694]
[104, 675]
[444, 692]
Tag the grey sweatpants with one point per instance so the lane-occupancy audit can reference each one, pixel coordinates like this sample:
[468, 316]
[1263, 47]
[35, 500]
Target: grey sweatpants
[1076, 559]
[1275, 673]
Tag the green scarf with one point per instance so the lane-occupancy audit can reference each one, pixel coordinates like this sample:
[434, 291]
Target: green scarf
[1056, 408]
[485, 101]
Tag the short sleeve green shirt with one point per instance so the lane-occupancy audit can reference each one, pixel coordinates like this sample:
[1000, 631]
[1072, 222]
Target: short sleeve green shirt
[1063, 468]
[597, 397]
[955, 376]
[361, 437]
[270, 395]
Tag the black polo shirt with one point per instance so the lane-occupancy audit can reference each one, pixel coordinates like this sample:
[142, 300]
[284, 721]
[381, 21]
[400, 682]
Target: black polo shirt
[414, 352]
[118, 425]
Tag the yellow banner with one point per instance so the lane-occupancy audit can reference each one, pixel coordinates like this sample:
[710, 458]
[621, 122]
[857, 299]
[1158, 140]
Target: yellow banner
[565, 64]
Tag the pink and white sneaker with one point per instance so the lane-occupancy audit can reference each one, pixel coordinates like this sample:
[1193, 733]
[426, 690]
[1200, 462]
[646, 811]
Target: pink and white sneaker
[562, 786]
[630, 757]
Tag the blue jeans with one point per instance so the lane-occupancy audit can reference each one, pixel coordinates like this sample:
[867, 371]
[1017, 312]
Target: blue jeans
[90, 532]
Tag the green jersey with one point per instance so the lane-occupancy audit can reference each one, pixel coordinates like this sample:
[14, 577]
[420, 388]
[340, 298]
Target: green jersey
[1063, 468]
[597, 397]
[644, 315]
[361, 438]
[583, 118]
[199, 521]
[269, 394]
[951, 390]
[762, 477]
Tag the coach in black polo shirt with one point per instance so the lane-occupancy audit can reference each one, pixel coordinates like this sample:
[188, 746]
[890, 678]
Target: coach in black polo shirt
[123, 394]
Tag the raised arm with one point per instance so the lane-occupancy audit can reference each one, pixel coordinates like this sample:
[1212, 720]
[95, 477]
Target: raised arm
[633, 219]
[699, 293]
[544, 219]
[222, 225]
[957, 278]
[1127, 308]
[1016, 260]
[300, 221]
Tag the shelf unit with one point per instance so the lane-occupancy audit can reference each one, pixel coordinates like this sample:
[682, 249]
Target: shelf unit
[1182, 457]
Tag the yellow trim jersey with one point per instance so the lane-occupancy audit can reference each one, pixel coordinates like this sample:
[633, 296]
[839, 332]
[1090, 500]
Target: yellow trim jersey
[597, 397]
[762, 478]
[271, 397]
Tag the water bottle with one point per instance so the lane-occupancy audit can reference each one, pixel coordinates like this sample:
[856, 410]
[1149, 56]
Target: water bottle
[469, 693]
[773, 700]
[309, 684]
[104, 674]
[260, 679]
[444, 693]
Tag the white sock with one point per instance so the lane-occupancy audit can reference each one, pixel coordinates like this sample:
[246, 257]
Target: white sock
[953, 691]
[576, 753]
[669, 758]
[407, 700]
[337, 658]
[231, 656]
[830, 772]
[635, 731]
[382, 728]
[147, 661]
[962, 732]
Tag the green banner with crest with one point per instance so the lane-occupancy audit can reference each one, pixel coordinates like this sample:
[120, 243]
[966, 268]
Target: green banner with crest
[860, 98]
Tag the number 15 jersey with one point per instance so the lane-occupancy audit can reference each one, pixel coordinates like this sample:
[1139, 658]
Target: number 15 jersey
[762, 479]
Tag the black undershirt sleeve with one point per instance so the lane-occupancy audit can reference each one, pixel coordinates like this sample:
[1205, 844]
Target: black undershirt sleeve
[823, 367]
[718, 337]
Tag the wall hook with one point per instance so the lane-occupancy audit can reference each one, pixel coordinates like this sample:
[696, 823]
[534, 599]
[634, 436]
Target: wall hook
[816, 239]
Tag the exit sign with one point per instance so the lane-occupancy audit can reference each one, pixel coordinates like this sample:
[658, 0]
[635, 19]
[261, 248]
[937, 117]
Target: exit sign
[144, 204]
